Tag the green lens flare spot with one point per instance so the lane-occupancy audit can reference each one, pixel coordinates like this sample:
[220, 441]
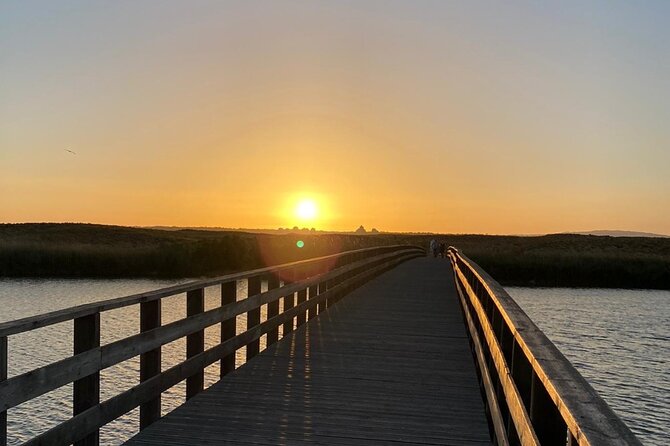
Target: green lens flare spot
[300, 244]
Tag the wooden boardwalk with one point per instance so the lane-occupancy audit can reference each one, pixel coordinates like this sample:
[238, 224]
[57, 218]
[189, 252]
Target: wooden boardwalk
[389, 364]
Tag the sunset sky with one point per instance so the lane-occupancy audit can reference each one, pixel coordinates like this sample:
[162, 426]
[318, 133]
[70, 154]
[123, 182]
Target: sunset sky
[464, 117]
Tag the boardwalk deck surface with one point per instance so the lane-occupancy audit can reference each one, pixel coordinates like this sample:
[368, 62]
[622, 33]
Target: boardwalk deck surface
[389, 364]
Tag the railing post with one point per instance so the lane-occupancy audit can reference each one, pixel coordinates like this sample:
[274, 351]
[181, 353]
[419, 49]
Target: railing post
[229, 326]
[273, 310]
[195, 342]
[338, 295]
[86, 391]
[289, 302]
[312, 312]
[3, 376]
[253, 316]
[331, 300]
[150, 362]
[302, 297]
[323, 287]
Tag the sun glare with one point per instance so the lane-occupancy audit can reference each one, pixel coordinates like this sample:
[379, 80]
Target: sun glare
[306, 210]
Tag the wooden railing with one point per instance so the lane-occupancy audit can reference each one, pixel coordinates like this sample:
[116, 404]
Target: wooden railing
[309, 287]
[534, 395]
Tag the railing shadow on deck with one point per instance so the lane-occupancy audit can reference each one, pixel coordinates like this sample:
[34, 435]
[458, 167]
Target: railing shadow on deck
[533, 394]
[309, 287]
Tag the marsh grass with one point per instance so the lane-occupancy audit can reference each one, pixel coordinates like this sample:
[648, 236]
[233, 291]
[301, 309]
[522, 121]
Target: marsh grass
[82, 250]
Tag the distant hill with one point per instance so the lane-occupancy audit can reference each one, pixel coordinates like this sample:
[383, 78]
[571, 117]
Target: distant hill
[614, 233]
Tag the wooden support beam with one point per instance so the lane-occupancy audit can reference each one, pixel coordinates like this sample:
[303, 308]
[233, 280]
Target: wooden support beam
[195, 342]
[86, 391]
[331, 300]
[289, 302]
[228, 326]
[273, 310]
[313, 311]
[323, 287]
[302, 297]
[254, 315]
[150, 362]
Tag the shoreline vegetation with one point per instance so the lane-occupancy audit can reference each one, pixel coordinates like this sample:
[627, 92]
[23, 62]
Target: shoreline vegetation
[71, 250]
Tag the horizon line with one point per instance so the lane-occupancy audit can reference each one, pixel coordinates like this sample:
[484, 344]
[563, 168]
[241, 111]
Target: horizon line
[595, 232]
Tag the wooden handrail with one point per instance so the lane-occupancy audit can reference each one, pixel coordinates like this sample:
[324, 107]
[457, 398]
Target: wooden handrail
[89, 358]
[54, 317]
[547, 401]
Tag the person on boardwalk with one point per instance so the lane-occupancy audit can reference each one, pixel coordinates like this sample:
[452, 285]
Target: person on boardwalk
[443, 249]
[433, 247]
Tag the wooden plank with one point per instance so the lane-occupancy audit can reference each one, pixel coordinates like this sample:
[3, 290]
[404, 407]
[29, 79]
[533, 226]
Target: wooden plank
[351, 376]
[150, 362]
[86, 390]
[27, 386]
[195, 342]
[228, 326]
[254, 315]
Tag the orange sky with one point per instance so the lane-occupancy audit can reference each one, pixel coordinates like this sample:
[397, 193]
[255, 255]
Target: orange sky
[404, 116]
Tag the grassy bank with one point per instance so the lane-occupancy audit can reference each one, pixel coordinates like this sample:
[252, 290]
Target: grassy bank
[574, 260]
[76, 250]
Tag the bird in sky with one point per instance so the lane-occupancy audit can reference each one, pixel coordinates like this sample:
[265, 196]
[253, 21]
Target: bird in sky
[68, 150]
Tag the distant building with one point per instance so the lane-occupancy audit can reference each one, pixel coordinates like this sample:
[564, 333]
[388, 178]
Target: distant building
[361, 230]
[374, 231]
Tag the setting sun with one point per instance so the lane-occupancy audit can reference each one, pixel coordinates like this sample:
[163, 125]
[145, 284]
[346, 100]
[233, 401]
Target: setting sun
[306, 210]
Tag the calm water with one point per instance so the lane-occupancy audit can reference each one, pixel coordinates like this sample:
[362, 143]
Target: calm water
[619, 340]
